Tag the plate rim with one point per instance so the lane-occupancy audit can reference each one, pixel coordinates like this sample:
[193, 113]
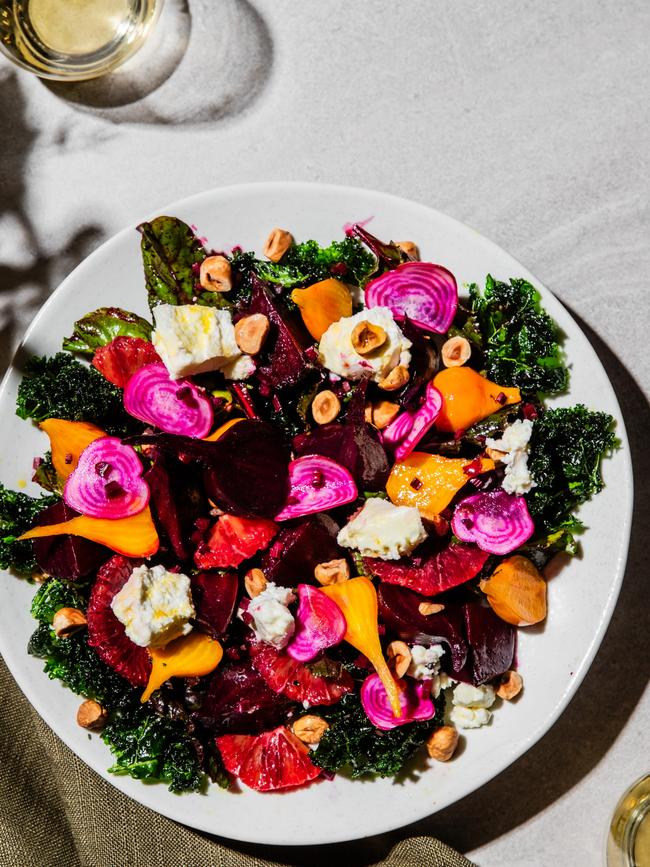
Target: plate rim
[549, 720]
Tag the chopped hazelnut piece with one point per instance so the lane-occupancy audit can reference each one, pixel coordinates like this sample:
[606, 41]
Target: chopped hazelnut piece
[511, 685]
[427, 608]
[332, 572]
[325, 407]
[441, 744]
[366, 337]
[67, 620]
[455, 352]
[91, 715]
[254, 582]
[382, 413]
[216, 274]
[410, 248]
[495, 454]
[277, 244]
[397, 378]
[400, 655]
[251, 332]
[309, 729]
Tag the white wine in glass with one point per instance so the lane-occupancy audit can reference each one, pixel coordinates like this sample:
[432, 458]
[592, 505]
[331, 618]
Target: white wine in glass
[74, 39]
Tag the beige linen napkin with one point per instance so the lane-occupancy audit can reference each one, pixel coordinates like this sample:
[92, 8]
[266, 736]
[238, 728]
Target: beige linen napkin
[56, 812]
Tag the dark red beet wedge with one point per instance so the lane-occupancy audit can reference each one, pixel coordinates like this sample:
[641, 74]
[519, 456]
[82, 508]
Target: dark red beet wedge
[215, 595]
[299, 548]
[492, 643]
[122, 357]
[238, 700]
[319, 682]
[282, 361]
[439, 566]
[105, 632]
[398, 609]
[273, 760]
[354, 444]
[68, 557]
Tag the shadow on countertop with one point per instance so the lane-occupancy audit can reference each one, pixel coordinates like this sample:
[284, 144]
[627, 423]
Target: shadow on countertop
[509, 800]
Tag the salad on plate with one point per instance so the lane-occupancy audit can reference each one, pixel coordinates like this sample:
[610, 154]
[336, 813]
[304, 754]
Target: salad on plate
[294, 520]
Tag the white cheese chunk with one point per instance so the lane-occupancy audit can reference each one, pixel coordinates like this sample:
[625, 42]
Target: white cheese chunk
[425, 661]
[154, 606]
[514, 442]
[336, 353]
[273, 623]
[469, 717]
[470, 705]
[191, 339]
[384, 530]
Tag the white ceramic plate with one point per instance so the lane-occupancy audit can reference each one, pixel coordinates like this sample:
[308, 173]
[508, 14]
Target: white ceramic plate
[553, 659]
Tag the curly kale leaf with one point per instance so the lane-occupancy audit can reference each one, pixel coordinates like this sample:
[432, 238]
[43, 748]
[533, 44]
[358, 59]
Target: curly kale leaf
[18, 512]
[172, 254]
[542, 549]
[62, 387]
[520, 340]
[150, 747]
[353, 743]
[104, 325]
[53, 595]
[308, 262]
[566, 450]
[145, 745]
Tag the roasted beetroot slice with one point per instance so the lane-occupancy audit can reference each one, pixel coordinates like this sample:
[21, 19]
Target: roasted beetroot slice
[299, 548]
[68, 557]
[239, 701]
[177, 499]
[491, 641]
[282, 362]
[122, 357]
[354, 444]
[215, 595]
[270, 761]
[233, 540]
[105, 632]
[399, 611]
[437, 569]
[319, 682]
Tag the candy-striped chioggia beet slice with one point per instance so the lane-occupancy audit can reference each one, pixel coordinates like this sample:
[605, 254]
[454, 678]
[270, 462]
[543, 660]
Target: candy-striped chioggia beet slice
[424, 292]
[316, 484]
[173, 406]
[496, 521]
[414, 696]
[406, 431]
[319, 624]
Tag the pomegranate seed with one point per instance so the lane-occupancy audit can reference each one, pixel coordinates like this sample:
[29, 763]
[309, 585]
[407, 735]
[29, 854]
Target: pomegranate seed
[467, 522]
[311, 353]
[103, 468]
[416, 483]
[202, 524]
[339, 269]
[529, 411]
[68, 458]
[474, 468]
[501, 398]
[113, 490]
[317, 479]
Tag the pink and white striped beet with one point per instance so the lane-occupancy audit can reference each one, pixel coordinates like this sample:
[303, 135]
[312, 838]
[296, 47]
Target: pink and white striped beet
[316, 484]
[175, 406]
[425, 293]
[405, 432]
[496, 521]
[320, 624]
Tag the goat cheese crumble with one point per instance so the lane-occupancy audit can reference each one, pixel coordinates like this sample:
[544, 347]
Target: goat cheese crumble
[425, 661]
[384, 530]
[154, 606]
[514, 442]
[191, 338]
[470, 705]
[273, 623]
[337, 354]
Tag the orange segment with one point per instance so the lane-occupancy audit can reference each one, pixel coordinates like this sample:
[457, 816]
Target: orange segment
[469, 397]
[189, 656]
[133, 537]
[516, 591]
[357, 599]
[321, 304]
[220, 431]
[69, 438]
[440, 480]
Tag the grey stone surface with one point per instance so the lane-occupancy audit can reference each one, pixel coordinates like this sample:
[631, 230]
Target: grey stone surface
[529, 121]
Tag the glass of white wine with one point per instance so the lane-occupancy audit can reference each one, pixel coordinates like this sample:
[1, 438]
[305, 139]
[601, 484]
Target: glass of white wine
[628, 841]
[74, 40]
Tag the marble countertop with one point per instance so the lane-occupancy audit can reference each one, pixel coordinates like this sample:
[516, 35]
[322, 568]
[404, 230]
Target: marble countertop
[529, 121]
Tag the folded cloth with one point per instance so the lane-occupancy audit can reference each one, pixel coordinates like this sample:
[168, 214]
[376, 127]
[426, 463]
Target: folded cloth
[56, 812]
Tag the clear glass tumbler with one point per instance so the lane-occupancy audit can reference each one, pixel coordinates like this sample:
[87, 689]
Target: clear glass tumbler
[628, 841]
[74, 40]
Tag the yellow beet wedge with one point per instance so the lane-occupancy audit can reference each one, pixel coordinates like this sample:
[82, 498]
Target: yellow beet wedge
[430, 482]
[189, 656]
[321, 304]
[68, 439]
[469, 397]
[135, 536]
[357, 599]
